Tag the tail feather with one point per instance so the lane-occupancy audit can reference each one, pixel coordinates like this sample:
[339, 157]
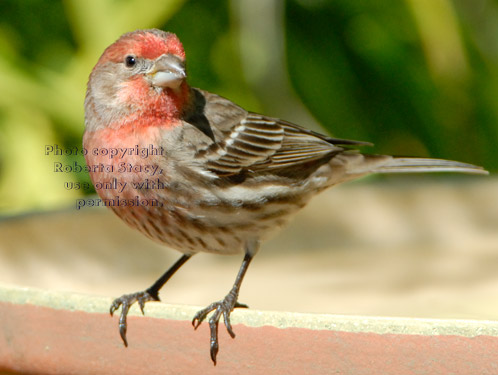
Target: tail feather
[417, 165]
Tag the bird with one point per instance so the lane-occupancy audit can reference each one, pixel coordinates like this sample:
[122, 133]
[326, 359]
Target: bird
[224, 178]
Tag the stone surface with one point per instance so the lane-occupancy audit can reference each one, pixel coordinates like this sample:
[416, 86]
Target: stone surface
[75, 337]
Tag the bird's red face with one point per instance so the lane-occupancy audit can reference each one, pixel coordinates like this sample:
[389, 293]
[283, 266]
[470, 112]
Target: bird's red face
[141, 74]
[154, 56]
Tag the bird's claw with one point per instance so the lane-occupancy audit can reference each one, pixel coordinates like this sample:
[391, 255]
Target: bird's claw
[125, 302]
[224, 307]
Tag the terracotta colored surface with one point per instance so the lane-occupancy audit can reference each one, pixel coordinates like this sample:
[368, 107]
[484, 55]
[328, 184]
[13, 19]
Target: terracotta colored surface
[63, 339]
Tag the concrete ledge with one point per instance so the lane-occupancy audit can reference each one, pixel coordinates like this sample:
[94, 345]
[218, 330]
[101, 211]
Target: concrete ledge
[62, 333]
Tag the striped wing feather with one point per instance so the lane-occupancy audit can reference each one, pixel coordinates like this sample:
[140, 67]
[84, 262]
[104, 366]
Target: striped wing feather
[245, 140]
[258, 143]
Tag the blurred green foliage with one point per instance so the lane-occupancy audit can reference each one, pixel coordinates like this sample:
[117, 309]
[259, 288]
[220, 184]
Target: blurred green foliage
[416, 77]
[408, 76]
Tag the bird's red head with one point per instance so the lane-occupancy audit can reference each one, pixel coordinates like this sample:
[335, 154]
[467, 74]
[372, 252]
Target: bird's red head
[148, 44]
[139, 79]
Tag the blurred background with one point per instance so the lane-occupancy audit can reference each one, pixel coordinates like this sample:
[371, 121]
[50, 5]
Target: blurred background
[414, 77]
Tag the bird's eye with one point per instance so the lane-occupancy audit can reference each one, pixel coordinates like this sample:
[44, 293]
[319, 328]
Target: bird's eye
[130, 61]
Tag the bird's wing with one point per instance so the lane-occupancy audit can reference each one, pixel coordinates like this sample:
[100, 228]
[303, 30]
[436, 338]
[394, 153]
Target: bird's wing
[245, 140]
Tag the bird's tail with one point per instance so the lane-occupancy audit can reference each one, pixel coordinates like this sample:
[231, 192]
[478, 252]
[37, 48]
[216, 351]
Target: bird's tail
[348, 166]
[416, 165]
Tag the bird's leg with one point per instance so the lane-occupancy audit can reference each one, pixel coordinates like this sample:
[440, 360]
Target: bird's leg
[150, 294]
[223, 307]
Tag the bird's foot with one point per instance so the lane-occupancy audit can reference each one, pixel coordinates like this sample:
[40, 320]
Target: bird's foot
[223, 307]
[125, 302]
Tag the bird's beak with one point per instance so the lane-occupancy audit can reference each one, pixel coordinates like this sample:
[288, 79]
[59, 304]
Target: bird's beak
[167, 71]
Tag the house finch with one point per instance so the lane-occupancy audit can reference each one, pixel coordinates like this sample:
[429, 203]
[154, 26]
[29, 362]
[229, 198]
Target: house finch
[221, 178]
